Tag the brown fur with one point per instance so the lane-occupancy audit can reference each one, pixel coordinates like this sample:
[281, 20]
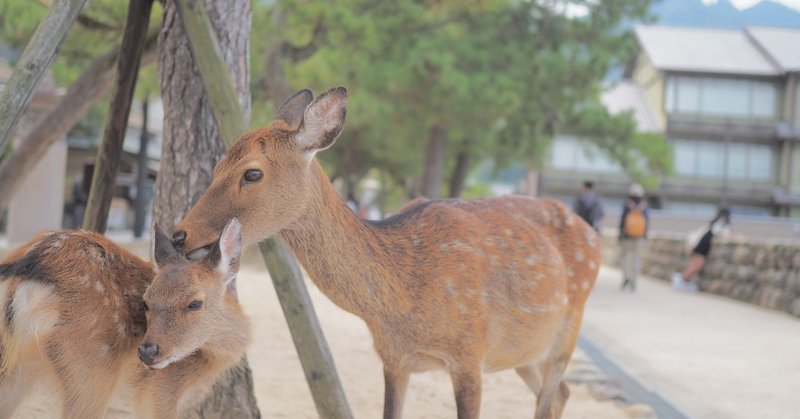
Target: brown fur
[75, 315]
[469, 286]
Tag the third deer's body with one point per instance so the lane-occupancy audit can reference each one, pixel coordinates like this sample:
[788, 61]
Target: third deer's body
[469, 286]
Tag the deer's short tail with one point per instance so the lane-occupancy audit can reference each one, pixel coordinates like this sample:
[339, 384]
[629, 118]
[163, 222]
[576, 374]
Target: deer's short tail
[28, 314]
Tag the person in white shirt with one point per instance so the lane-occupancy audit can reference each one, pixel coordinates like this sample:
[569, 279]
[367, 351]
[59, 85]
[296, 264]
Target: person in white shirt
[701, 247]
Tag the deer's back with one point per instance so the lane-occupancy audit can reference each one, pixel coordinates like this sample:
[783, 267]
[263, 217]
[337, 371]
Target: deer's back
[506, 232]
[89, 285]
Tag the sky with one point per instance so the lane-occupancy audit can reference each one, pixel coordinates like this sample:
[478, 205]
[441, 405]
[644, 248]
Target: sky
[743, 4]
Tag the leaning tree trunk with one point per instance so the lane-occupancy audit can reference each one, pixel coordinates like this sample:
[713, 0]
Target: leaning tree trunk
[434, 162]
[460, 171]
[192, 146]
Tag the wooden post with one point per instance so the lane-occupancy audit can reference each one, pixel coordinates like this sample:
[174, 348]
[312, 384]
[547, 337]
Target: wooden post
[35, 61]
[323, 380]
[141, 177]
[110, 152]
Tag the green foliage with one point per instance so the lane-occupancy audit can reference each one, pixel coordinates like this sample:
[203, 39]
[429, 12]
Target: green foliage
[509, 75]
[99, 28]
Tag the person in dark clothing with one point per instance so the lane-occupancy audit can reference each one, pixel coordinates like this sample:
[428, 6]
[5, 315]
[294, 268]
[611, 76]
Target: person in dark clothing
[701, 247]
[633, 225]
[588, 205]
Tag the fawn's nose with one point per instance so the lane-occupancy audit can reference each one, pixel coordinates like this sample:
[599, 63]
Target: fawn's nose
[178, 238]
[148, 352]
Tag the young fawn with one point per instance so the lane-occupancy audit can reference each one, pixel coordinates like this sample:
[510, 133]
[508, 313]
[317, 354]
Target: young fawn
[87, 316]
[469, 286]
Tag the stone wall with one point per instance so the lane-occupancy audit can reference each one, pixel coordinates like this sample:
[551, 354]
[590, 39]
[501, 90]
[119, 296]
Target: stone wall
[766, 273]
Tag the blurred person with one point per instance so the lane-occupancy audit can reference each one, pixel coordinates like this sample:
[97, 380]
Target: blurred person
[700, 244]
[588, 205]
[633, 225]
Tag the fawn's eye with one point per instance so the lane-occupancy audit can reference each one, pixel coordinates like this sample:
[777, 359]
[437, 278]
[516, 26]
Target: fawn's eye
[252, 175]
[146, 308]
[195, 305]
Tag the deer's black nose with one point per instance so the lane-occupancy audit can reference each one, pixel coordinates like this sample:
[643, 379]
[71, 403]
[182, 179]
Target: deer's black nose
[148, 352]
[178, 238]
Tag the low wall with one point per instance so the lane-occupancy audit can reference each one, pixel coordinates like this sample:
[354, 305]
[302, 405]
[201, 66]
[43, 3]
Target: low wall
[766, 273]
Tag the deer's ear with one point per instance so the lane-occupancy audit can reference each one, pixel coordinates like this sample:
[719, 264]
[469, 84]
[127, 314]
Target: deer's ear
[164, 251]
[322, 122]
[293, 108]
[228, 251]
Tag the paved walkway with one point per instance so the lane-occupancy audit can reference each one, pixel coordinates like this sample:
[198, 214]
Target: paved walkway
[711, 356]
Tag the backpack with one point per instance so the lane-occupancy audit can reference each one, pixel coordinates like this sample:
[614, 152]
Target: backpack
[635, 223]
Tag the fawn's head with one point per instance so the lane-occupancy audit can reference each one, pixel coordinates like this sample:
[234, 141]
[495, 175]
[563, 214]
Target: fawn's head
[186, 300]
[266, 178]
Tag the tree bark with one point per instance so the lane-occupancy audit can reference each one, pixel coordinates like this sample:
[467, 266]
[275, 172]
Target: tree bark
[193, 145]
[460, 171]
[90, 87]
[434, 162]
[109, 154]
[35, 60]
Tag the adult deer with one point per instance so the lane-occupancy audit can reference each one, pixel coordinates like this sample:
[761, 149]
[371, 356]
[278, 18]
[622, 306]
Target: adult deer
[469, 286]
[95, 321]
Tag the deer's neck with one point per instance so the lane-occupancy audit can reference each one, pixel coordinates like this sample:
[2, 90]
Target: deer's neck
[344, 256]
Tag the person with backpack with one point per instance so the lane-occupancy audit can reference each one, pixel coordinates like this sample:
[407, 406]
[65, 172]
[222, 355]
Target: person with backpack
[588, 205]
[632, 232]
[700, 244]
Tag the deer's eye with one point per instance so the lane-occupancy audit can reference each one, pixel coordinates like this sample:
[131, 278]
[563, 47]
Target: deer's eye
[146, 308]
[252, 175]
[195, 305]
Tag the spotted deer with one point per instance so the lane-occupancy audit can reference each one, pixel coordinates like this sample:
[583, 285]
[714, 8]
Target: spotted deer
[88, 317]
[465, 285]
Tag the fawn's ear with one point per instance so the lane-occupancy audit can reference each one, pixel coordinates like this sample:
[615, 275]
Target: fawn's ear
[293, 108]
[322, 122]
[164, 252]
[228, 251]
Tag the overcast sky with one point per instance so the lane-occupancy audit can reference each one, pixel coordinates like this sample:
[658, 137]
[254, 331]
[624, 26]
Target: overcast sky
[743, 4]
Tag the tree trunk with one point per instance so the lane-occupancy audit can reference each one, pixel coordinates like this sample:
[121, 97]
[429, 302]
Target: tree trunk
[192, 146]
[434, 162]
[90, 87]
[459, 175]
[109, 154]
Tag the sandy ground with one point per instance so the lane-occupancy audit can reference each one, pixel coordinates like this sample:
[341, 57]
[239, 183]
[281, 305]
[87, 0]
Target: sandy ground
[282, 391]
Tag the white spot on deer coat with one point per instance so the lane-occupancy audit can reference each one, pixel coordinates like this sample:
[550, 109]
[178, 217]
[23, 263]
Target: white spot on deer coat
[98, 286]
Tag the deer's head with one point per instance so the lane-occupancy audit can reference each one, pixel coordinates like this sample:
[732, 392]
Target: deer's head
[186, 300]
[266, 178]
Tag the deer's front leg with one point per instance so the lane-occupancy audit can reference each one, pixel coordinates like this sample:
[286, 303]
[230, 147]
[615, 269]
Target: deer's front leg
[396, 383]
[467, 387]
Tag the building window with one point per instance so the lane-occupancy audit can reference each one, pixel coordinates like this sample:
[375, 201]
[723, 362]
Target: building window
[569, 153]
[720, 97]
[709, 159]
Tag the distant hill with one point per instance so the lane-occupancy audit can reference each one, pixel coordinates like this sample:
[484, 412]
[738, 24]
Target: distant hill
[723, 14]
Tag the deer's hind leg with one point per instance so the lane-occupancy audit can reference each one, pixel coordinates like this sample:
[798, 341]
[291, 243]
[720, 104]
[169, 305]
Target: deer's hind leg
[545, 377]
